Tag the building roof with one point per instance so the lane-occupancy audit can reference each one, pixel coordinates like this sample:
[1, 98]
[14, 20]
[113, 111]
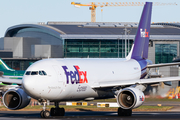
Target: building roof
[112, 29]
[83, 28]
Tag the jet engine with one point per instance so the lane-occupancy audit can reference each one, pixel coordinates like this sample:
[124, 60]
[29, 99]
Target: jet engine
[15, 99]
[129, 98]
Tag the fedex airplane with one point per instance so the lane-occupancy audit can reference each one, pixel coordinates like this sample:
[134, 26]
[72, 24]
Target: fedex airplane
[59, 80]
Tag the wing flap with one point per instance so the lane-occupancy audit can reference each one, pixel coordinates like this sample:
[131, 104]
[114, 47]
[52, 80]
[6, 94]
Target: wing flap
[155, 80]
[132, 82]
[115, 83]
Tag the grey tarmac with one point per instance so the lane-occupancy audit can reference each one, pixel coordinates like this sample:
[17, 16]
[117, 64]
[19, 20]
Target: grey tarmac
[90, 115]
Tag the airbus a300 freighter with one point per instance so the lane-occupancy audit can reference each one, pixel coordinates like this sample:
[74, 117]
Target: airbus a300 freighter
[59, 80]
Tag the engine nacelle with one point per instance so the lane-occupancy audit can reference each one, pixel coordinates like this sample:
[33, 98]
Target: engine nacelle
[16, 99]
[129, 98]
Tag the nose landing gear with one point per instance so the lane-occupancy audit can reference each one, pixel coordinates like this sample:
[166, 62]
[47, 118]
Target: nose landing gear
[44, 113]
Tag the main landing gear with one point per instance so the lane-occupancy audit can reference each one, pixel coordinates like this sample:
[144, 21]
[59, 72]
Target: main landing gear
[54, 111]
[57, 111]
[124, 112]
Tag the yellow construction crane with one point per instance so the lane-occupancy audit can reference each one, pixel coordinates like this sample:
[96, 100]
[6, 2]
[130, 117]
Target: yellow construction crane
[93, 6]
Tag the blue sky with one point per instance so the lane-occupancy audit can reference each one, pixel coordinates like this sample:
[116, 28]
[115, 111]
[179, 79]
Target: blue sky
[14, 12]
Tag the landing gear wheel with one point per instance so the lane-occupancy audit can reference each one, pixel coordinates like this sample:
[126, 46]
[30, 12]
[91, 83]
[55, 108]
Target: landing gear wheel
[62, 111]
[42, 114]
[57, 112]
[124, 112]
[46, 114]
[121, 112]
[128, 112]
[52, 112]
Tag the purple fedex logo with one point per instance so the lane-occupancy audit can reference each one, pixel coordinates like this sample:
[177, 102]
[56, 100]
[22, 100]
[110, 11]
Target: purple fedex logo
[76, 76]
[144, 33]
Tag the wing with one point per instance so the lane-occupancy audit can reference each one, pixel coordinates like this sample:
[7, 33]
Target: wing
[8, 80]
[132, 82]
[162, 65]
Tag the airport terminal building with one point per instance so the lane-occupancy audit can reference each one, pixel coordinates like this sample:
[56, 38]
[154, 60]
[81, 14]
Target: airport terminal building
[26, 43]
[82, 40]
[31, 42]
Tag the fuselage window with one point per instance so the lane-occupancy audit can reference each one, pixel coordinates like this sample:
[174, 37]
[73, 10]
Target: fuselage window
[44, 72]
[28, 73]
[34, 73]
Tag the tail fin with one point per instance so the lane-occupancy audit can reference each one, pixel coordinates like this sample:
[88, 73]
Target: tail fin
[141, 42]
[3, 66]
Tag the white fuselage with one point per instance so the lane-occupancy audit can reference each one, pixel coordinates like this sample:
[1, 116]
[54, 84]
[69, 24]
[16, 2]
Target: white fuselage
[72, 79]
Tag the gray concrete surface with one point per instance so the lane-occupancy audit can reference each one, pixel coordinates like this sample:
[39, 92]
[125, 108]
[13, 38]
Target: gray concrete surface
[89, 115]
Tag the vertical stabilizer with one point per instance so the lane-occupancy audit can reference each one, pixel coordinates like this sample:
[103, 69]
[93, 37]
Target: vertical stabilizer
[3, 66]
[141, 42]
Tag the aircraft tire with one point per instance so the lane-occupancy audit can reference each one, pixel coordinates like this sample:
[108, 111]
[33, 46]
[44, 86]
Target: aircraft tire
[42, 114]
[57, 112]
[52, 112]
[124, 112]
[128, 112]
[62, 111]
[46, 114]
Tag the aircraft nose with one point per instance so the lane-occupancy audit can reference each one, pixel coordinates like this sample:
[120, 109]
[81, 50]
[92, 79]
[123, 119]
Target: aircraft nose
[28, 85]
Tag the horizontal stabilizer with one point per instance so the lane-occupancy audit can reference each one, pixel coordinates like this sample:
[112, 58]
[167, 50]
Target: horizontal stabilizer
[162, 65]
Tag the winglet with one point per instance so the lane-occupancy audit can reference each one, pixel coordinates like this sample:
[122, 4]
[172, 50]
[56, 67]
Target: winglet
[141, 42]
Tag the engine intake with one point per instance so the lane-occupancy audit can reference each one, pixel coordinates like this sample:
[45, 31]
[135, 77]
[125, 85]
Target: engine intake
[130, 98]
[16, 99]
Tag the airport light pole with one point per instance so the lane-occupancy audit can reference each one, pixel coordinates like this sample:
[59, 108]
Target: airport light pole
[128, 31]
[118, 47]
[125, 31]
[122, 44]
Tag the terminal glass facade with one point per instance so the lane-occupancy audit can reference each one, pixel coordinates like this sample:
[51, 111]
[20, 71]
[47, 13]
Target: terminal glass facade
[19, 64]
[164, 53]
[98, 48]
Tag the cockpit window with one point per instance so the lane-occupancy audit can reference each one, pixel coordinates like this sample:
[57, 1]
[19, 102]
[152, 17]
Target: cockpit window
[44, 72]
[34, 73]
[28, 73]
[40, 73]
